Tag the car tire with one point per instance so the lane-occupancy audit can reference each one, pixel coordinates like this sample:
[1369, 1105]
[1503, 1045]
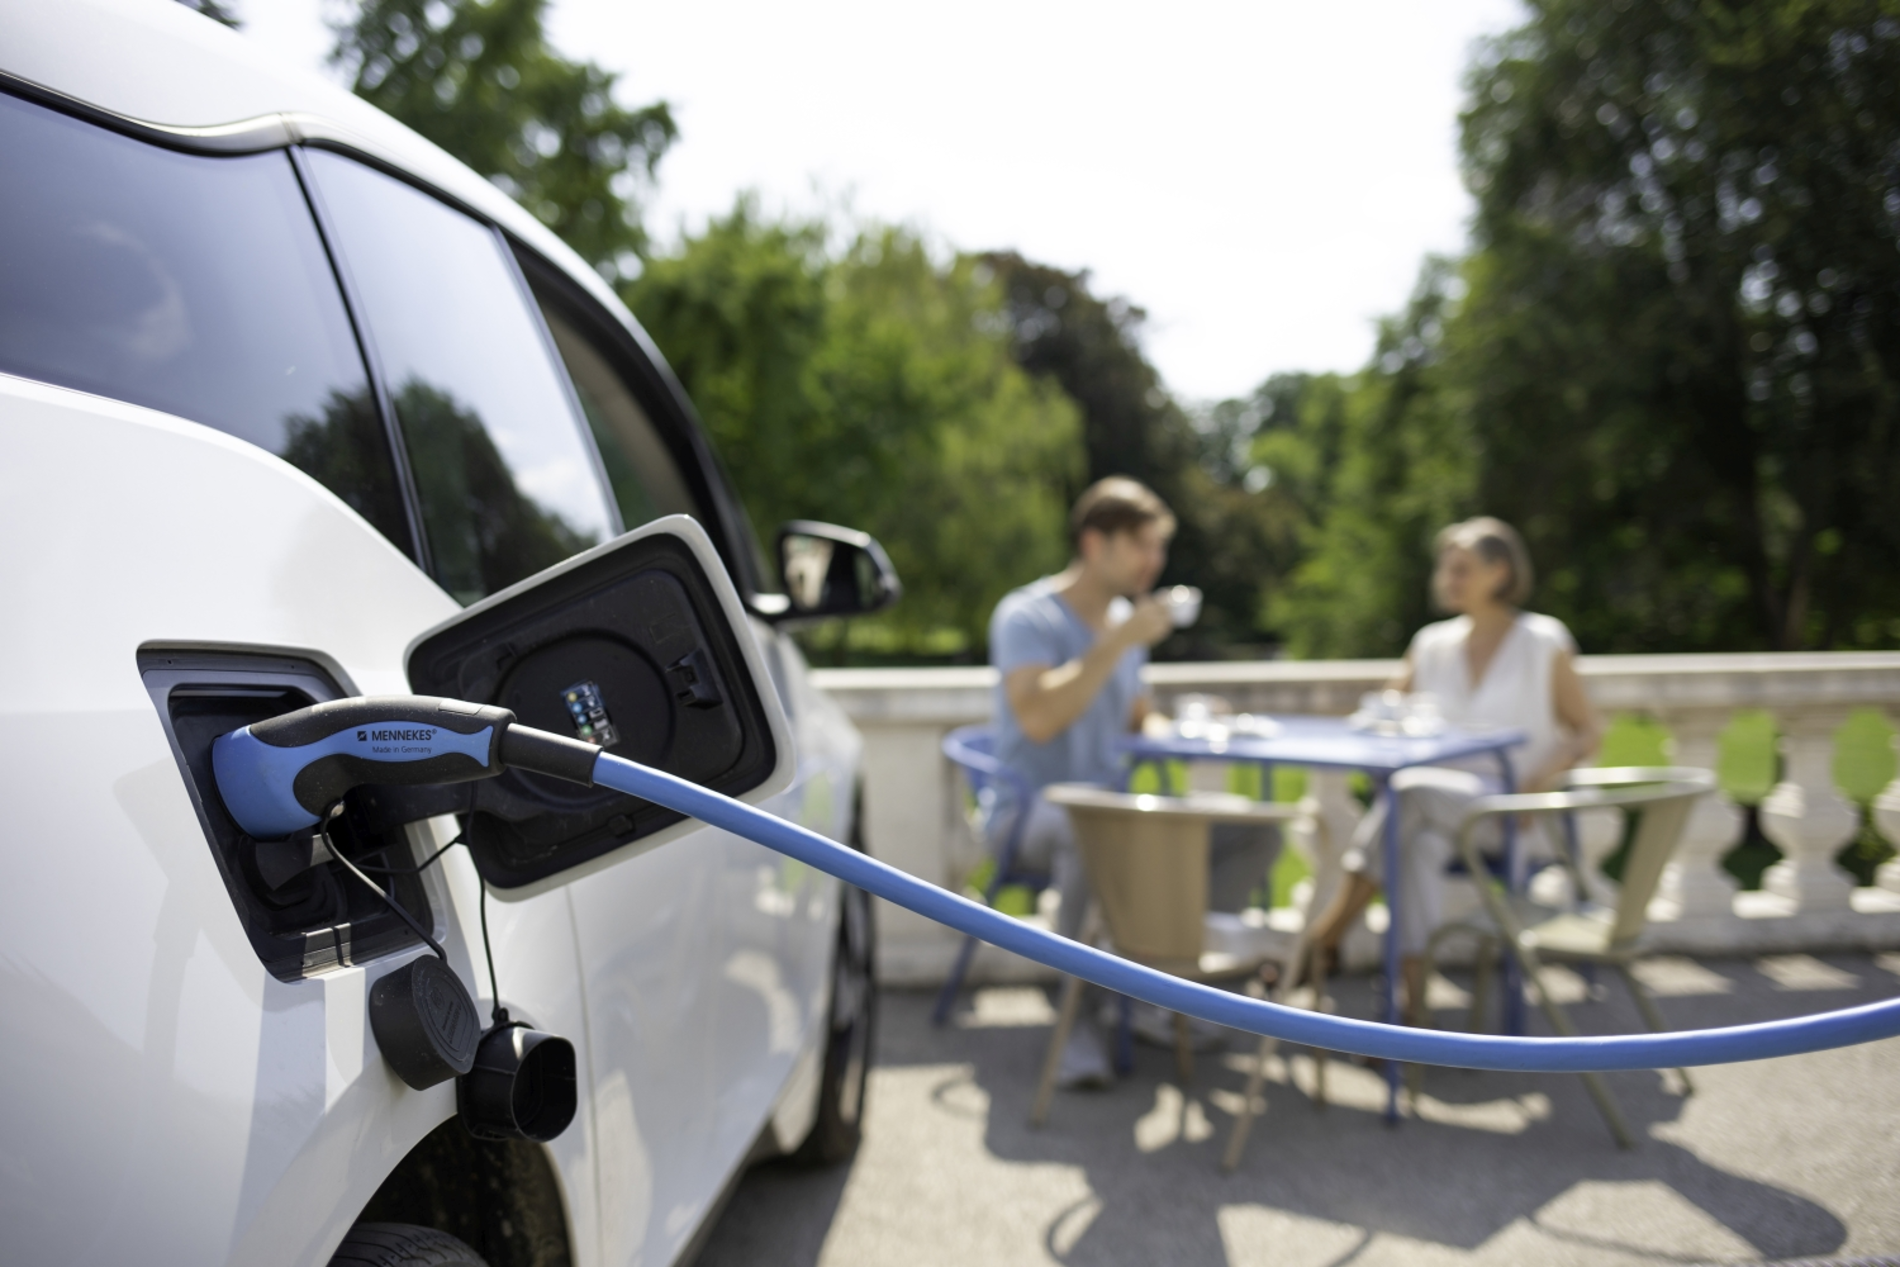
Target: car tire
[839, 1126]
[402, 1245]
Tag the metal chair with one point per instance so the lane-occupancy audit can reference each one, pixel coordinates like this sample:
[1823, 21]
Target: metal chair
[972, 749]
[1589, 933]
[1147, 864]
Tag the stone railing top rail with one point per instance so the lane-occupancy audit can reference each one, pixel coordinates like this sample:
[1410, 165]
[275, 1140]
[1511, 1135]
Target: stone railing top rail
[1662, 683]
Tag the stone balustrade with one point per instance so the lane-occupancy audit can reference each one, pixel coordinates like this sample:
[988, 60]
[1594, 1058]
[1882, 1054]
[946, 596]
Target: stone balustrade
[913, 800]
[1887, 819]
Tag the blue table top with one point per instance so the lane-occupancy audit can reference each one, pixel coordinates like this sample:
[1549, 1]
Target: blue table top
[1328, 742]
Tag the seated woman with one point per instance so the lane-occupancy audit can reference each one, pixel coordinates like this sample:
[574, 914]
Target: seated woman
[1491, 665]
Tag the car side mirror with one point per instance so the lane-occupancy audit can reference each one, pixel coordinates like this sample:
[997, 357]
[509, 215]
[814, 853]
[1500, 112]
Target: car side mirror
[826, 570]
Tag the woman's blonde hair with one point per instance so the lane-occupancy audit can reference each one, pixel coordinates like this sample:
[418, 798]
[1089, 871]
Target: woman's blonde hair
[1494, 541]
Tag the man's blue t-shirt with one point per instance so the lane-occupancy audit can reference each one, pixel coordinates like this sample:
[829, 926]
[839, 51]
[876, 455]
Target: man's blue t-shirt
[1033, 626]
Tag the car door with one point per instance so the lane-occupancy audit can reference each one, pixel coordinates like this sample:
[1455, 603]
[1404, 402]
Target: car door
[782, 918]
[204, 516]
[752, 932]
[390, 351]
[494, 410]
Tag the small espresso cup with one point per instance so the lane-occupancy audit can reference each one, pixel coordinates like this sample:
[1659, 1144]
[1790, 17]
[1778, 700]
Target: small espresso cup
[1184, 604]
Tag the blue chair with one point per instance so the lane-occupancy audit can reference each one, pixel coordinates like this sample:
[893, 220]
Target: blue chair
[973, 750]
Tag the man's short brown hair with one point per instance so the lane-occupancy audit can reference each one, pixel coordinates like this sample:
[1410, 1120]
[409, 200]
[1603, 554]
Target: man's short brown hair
[1117, 504]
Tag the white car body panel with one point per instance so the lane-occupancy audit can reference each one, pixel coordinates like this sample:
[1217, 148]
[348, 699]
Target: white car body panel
[168, 1099]
[208, 1084]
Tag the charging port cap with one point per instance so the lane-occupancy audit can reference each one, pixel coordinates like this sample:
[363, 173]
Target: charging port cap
[639, 647]
[424, 1022]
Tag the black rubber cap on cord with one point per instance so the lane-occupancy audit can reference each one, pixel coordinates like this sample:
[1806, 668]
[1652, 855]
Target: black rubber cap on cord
[424, 1022]
[525, 748]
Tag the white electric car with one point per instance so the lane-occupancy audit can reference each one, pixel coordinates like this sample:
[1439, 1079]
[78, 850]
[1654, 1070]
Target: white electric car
[283, 388]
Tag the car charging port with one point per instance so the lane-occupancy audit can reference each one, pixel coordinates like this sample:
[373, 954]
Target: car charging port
[303, 913]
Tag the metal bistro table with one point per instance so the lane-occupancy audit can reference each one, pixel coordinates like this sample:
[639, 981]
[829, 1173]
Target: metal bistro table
[1330, 743]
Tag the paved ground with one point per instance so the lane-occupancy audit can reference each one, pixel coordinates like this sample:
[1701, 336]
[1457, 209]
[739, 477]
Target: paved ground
[1782, 1159]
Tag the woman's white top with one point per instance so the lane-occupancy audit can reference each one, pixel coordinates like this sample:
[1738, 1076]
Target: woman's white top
[1515, 690]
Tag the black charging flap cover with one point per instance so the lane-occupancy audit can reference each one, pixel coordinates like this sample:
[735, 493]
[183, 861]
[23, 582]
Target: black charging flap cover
[641, 645]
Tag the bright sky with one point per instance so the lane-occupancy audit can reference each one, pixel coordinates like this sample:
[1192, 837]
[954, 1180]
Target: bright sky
[1262, 177]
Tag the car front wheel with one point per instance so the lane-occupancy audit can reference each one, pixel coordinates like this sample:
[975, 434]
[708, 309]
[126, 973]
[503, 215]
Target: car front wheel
[402, 1245]
[839, 1126]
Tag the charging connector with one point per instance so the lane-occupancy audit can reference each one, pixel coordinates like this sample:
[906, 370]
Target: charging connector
[280, 776]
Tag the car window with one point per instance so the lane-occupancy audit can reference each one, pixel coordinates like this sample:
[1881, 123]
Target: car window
[640, 469]
[654, 468]
[192, 284]
[507, 478]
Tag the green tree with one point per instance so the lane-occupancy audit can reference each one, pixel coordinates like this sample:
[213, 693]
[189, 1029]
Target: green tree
[1368, 468]
[1672, 357]
[1680, 357]
[870, 384]
[1091, 348]
[742, 311]
[477, 77]
[958, 457]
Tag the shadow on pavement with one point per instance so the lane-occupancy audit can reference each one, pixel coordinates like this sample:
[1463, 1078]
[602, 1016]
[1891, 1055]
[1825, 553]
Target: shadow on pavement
[779, 1214]
[1479, 1155]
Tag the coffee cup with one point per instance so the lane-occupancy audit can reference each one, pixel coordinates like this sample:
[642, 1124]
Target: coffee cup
[1184, 604]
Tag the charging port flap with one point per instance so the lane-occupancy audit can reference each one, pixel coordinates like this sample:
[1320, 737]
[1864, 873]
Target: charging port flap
[639, 647]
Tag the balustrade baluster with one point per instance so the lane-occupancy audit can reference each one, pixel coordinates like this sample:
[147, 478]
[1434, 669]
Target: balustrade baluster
[913, 818]
[1887, 821]
[1807, 817]
[1599, 832]
[1695, 880]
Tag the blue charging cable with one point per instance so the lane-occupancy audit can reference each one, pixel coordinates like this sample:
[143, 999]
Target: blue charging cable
[282, 775]
[1274, 1020]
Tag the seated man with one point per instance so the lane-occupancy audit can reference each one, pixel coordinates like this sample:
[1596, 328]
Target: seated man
[1069, 650]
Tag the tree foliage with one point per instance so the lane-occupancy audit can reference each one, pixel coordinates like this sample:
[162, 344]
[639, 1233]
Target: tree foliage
[1695, 204]
[1091, 348]
[1369, 467]
[477, 77]
[1673, 354]
[867, 383]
